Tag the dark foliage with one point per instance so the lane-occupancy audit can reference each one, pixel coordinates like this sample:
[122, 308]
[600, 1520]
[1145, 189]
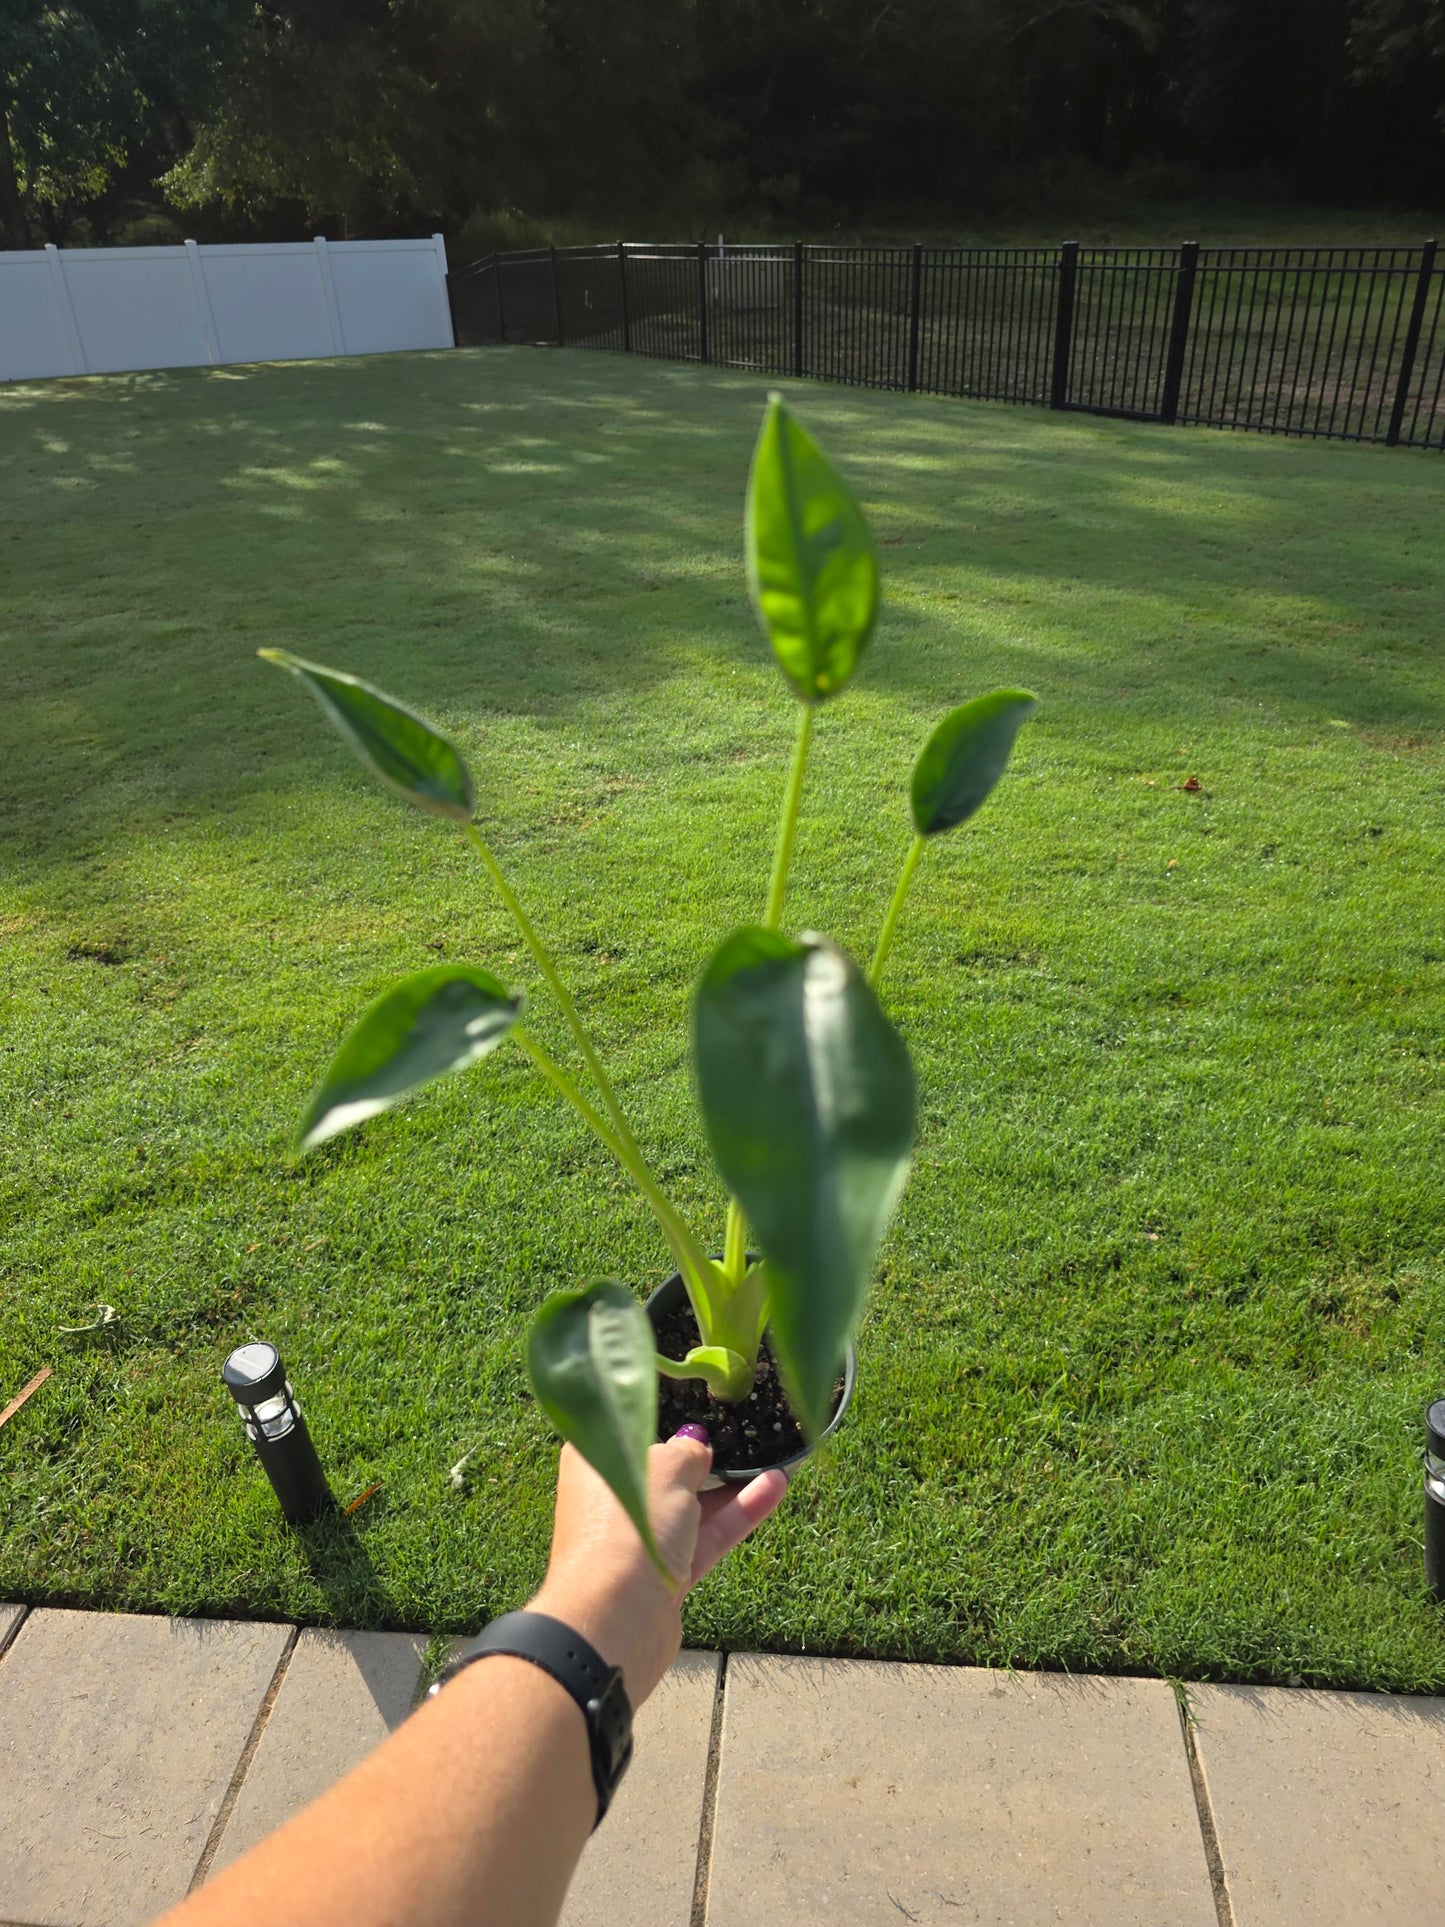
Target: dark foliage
[269, 116]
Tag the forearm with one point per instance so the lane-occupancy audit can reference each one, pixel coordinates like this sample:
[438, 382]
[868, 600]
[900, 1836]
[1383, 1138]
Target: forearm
[476, 1810]
[473, 1814]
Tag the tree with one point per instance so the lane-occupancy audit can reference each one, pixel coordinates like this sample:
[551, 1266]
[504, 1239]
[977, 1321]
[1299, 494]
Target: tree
[367, 114]
[1399, 45]
[83, 83]
[313, 107]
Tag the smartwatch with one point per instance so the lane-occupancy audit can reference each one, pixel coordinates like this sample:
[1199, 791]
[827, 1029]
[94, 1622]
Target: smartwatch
[597, 1687]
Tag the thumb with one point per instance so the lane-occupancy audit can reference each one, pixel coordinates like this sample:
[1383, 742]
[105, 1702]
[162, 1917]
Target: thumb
[686, 1459]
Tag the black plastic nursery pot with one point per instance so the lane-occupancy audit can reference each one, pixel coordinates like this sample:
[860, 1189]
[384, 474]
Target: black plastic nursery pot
[671, 1299]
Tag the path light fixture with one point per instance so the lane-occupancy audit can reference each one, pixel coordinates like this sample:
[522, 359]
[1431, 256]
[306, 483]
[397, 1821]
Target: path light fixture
[1435, 1498]
[256, 1379]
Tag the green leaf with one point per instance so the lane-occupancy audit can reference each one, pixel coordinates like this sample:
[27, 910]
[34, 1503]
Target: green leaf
[808, 1095]
[812, 569]
[406, 753]
[432, 1022]
[965, 756]
[727, 1374]
[591, 1357]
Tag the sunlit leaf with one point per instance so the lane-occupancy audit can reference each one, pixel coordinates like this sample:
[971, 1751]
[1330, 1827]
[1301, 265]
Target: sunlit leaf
[812, 568]
[407, 754]
[591, 1360]
[435, 1021]
[808, 1095]
[726, 1373]
[965, 756]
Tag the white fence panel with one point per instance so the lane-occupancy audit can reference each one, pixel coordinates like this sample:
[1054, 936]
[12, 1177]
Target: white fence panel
[94, 310]
[391, 294]
[139, 312]
[269, 303]
[35, 329]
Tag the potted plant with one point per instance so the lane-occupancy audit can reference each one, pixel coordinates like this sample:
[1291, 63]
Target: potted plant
[806, 1088]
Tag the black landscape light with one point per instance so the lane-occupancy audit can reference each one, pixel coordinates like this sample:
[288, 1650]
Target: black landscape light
[1435, 1498]
[256, 1379]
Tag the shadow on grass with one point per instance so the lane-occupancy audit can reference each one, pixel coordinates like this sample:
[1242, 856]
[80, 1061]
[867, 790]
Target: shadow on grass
[342, 1567]
[521, 533]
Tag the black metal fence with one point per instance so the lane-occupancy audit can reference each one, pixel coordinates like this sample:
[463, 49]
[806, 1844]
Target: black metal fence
[1342, 342]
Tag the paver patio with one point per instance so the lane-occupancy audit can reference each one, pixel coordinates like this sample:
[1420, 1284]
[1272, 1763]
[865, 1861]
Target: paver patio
[341, 1694]
[138, 1754]
[1326, 1804]
[849, 1789]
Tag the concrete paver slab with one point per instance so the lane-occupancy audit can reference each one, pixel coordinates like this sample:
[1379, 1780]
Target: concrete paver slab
[855, 1791]
[1325, 1804]
[641, 1865]
[341, 1695]
[10, 1617]
[119, 1736]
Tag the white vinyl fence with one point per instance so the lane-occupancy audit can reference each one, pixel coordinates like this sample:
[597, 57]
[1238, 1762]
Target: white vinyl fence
[87, 311]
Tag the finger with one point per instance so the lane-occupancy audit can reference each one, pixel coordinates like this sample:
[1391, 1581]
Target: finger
[728, 1518]
[684, 1461]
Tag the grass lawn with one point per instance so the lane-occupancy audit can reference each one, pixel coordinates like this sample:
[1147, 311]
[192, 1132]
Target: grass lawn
[1143, 1372]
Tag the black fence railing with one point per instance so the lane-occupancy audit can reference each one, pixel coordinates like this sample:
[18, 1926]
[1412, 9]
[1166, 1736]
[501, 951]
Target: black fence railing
[1340, 342]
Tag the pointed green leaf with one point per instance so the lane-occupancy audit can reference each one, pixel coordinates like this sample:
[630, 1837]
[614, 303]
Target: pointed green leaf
[812, 568]
[808, 1095]
[965, 756]
[407, 754]
[591, 1357]
[432, 1022]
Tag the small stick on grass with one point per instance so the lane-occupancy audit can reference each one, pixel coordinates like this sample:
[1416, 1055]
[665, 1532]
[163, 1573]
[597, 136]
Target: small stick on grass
[20, 1397]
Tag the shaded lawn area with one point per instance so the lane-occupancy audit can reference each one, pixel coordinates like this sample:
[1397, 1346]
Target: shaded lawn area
[1143, 1372]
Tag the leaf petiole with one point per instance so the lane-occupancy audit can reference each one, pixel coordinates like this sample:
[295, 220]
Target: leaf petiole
[787, 827]
[727, 1374]
[694, 1264]
[735, 1244]
[895, 910]
[559, 990]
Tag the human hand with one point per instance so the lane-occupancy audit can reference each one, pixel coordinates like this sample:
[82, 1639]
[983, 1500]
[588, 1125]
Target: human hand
[600, 1580]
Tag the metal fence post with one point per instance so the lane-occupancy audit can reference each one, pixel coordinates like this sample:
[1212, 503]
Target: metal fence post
[1412, 344]
[915, 300]
[798, 309]
[702, 300]
[622, 297]
[556, 296]
[1179, 329]
[1064, 324]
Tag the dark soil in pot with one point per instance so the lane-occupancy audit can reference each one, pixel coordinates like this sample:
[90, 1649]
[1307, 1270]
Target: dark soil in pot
[757, 1432]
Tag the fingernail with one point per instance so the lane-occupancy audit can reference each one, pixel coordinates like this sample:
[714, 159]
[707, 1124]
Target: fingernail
[693, 1431]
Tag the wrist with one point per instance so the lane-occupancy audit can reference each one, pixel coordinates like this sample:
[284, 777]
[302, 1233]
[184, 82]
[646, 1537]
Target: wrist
[587, 1611]
[620, 1634]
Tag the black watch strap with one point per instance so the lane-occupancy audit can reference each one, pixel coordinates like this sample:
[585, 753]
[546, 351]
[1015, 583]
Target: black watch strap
[597, 1687]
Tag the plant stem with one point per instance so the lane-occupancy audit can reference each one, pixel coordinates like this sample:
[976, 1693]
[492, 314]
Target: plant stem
[735, 1244]
[559, 990]
[735, 1238]
[890, 922]
[792, 797]
[691, 1259]
[730, 1385]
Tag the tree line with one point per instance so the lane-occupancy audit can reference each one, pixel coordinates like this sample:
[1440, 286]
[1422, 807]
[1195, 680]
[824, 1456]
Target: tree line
[270, 117]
